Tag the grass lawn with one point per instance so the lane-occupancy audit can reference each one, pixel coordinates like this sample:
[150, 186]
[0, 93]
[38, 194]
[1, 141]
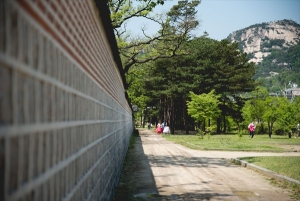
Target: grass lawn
[261, 143]
[287, 166]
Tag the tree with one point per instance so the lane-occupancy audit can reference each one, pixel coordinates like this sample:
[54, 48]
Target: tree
[203, 106]
[255, 106]
[208, 64]
[233, 75]
[221, 66]
[265, 108]
[295, 112]
[285, 120]
[275, 108]
[175, 29]
[123, 10]
[137, 92]
[165, 89]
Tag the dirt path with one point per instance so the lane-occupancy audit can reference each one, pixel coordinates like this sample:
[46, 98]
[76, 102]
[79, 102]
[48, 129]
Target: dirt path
[166, 171]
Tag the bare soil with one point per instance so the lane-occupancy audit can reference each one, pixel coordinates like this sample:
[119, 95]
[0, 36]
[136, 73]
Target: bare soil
[159, 170]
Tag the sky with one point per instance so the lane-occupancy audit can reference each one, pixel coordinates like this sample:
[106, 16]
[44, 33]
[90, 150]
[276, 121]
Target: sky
[221, 17]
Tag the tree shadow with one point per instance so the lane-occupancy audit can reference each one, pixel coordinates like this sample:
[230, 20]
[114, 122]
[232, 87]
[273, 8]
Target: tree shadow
[136, 178]
[137, 181]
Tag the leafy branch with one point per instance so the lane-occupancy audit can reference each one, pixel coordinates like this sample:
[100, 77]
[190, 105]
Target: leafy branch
[175, 28]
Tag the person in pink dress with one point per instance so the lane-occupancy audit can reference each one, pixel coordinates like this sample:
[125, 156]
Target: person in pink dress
[251, 128]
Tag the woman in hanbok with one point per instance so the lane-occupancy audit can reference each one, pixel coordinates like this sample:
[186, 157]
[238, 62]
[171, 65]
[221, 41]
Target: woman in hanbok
[158, 128]
[166, 129]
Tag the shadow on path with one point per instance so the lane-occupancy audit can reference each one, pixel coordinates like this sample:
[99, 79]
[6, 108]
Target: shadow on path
[137, 181]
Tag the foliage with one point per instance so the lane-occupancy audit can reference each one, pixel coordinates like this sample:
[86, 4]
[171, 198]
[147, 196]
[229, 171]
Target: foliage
[122, 10]
[272, 42]
[264, 108]
[295, 111]
[137, 53]
[203, 106]
[254, 107]
[207, 65]
[136, 91]
[175, 28]
[280, 61]
[219, 65]
[284, 62]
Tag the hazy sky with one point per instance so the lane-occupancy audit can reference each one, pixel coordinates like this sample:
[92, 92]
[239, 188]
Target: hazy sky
[221, 17]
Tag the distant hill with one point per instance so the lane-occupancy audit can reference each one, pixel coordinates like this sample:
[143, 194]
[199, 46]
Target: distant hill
[275, 48]
[259, 40]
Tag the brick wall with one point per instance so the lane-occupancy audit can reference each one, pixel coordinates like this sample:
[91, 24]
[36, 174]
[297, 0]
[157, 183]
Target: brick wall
[65, 122]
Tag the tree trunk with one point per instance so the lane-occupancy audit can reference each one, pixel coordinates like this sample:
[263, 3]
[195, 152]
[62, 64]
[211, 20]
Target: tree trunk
[218, 125]
[270, 128]
[224, 123]
[166, 119]
[186, 119]
[144, 117]
[238, 124]
[172, 116]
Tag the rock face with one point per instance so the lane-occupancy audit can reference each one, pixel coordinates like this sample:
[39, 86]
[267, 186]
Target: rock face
[260, 39]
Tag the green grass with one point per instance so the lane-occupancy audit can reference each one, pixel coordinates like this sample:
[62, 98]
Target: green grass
[261, 143]
[287, 165]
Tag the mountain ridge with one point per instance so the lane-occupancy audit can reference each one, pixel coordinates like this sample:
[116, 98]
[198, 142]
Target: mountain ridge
[259, 40]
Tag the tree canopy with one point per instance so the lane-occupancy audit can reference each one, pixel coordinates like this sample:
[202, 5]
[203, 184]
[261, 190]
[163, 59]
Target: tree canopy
[264, 108]
[175, 28]
[207, 65]
[204, 106]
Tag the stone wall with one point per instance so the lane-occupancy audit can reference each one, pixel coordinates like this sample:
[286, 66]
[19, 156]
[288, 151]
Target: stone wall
[65, 122]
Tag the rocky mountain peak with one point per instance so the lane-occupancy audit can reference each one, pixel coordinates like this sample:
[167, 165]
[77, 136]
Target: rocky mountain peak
[260, 39]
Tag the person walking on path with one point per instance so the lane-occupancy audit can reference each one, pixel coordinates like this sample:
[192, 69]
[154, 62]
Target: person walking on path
[251, 128]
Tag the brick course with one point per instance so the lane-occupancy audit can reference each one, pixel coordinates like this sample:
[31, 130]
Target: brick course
[65, 122]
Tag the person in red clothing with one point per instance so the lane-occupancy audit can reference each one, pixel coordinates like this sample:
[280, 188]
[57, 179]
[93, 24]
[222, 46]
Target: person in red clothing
[158, 128]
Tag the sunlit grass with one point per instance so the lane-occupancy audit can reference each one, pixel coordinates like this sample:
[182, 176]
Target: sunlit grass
[287, 165]
[235, 143]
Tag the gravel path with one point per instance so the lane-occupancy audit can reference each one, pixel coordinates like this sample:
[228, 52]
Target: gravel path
[162, 170]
